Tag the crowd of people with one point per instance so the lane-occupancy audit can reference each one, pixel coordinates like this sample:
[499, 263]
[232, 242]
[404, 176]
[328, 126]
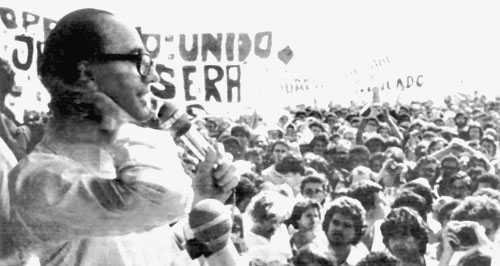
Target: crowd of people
[97, 183]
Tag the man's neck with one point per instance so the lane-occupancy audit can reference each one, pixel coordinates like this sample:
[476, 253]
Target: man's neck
[341, 253]
[414, 261]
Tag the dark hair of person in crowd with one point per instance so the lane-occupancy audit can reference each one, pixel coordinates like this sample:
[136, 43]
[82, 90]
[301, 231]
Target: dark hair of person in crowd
[349, 207]
[479, 256]
[489, 180]
[366, 192]
[299, 208]
[319, 164]
[444, 212]
[375, 144]
[477, 208]
[358, 155]
[318, 125]
[290, 164]
[408, 198]
[404, 221]
[392, 142]
[379, 258]
[463, 176]
[243, 193]
[316, 179]
[377, 160]
[86, 31]
[438, 143]
[418, 170]
[238, 130]
[322, 139]
[311, 254]
[475, 161]
[422, 190]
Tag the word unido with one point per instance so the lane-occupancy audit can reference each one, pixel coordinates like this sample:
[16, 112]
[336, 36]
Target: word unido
[400, 83]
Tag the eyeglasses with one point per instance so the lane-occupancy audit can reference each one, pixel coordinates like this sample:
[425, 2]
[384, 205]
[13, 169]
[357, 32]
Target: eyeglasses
[143, 61]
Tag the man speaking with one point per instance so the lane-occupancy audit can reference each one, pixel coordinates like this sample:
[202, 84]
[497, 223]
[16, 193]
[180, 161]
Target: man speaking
[101, 188]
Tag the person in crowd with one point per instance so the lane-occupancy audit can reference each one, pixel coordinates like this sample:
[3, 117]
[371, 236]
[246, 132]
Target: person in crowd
[461, 122]
[314, 187]
[305, 219]
[254, 156]
[278, 150]
[375, 144]
[242, 133]
[317, 128]
[460, 185]
[377, 160]
[344, 226]
[449, 166]
[359, 155]
[371, 196]
[405, 236]
[319, 144]
[474, 131]
[410, 199]
[488, 181]
[488, 146]
[103, 186]
[311, 255]
[289, 174]
[268, 240]
[232, 145]
[436, 144]
[21, 138]
[428, 168]
[244, 192]
[379, 258]
[478, 256]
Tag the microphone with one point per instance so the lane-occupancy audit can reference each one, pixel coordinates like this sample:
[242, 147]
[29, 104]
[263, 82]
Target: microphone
[210, 222]
[178, 124]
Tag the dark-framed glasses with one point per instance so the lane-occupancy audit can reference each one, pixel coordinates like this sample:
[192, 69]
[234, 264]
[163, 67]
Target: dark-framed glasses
[143, 61]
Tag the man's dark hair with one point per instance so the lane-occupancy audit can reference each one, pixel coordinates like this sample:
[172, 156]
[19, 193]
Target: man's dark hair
[477, 208]
[311, 253]
[299, 208]
[404, 221]
[58, 64]
[491, 179]
[444, 211]
[366, 192]
[349, 207]
[240, 129]
[475, 258]
[245, 189]
[379, 259]
[422, 190]
[290, 164]
[315, 179]
[408, 198]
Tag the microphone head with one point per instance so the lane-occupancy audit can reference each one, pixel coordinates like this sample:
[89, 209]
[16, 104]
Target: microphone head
[173, 119]
[211, 222]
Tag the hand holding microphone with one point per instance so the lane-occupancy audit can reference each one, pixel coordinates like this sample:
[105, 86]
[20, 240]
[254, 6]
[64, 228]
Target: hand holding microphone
[215, 177]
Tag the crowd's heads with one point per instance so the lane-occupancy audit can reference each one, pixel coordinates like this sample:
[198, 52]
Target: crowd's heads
[353, 221]
[7, 80]
[481, 209]
[244, 192]
[290, 164]
[408, 198]
[359, 155]
[428, 168]
[319, 144]
[314, 187]
[400, 225]
[366, 192]
[460, 185]
[268, 210]
[312, 254]
[379, 259]
[488, 180]
[311, 208]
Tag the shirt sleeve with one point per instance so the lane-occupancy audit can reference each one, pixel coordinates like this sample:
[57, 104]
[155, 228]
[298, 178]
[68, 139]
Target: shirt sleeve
[55, 197]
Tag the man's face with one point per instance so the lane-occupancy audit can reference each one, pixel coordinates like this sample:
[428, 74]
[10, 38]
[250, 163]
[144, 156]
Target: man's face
[120, 79]
[316, 131]
[449, 167]
[267, 226]
[460, 121]
[341, 231]
[319, 147]
[314, 191]
[429, 171]
[279, 152]
[371, 126]
[459, 189]
[404, 246]
[488, 148]
[309, 219]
